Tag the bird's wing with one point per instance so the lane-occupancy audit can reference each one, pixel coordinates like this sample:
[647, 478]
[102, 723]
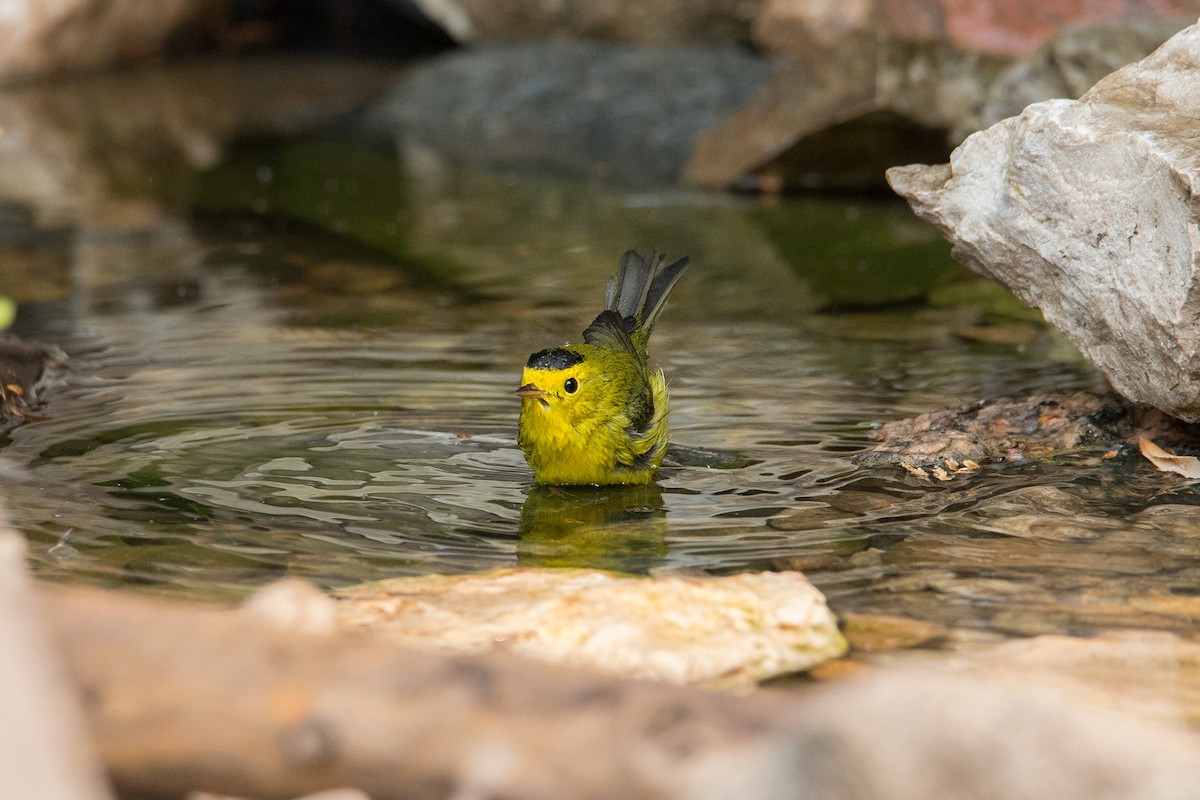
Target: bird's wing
[646, 434]
[609, 329]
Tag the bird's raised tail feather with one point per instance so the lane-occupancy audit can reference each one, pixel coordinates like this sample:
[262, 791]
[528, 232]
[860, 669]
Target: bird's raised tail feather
[638, 292]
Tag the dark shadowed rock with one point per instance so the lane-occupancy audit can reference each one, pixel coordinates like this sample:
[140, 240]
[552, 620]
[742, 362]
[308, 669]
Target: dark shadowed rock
[841, 118]
[586, 108]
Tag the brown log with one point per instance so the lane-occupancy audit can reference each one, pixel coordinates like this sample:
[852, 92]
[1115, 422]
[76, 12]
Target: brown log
[182, 698]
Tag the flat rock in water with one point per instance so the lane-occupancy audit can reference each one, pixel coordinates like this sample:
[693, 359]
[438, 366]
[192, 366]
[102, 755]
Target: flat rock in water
[1013, 429]
[722, 631]
[876, 632]
[1087, 210]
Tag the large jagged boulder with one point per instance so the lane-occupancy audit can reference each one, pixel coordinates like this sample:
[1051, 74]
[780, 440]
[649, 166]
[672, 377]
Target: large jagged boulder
[1089, 210]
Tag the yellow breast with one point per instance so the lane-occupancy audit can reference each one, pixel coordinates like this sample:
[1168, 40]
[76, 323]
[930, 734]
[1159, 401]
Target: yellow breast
[590, 440]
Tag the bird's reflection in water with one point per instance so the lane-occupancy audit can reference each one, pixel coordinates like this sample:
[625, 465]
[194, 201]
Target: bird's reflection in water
[620, 528]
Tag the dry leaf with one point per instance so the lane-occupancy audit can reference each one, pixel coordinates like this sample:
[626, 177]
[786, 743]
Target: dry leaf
[1187, 466]
[914, 470]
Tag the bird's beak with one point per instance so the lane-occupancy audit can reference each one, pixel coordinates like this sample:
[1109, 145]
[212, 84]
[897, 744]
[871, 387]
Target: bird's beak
[529, 390]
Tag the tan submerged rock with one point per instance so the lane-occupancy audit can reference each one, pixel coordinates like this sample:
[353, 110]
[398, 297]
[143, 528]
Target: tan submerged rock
[717, 631]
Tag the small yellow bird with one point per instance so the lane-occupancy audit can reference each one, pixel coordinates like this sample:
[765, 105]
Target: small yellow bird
[597, 412]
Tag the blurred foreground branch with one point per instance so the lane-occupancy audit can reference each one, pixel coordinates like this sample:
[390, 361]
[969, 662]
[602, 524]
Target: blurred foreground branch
[182, 697]
[186, 698]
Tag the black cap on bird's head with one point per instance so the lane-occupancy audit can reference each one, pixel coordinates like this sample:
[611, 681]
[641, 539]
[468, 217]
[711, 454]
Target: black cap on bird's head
[635, 297]
[554, 358]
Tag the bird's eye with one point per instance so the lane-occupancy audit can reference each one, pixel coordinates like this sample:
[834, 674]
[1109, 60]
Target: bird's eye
[571, 385]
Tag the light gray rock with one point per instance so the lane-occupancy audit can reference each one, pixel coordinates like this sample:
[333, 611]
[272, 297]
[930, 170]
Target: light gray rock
[1088, 210]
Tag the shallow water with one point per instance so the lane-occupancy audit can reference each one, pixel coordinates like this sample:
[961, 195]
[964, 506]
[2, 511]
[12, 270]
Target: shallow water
[321, 388]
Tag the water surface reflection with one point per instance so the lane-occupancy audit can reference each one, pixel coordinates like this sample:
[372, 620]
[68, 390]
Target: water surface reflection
[258, 392]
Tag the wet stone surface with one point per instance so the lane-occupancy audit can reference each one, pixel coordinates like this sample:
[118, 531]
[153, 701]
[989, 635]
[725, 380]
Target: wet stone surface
[1016, 429]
